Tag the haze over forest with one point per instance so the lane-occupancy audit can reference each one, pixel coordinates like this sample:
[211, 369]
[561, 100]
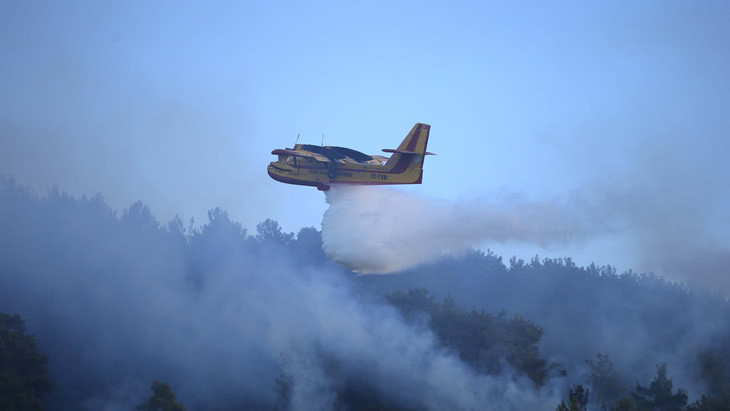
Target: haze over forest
[232, 319]
[147, 260]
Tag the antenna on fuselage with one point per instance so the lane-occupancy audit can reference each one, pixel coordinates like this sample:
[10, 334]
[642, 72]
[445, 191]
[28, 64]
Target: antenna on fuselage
[322, 140]
[297, 140]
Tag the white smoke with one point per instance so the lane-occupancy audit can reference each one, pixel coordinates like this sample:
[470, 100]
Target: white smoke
[379, 230]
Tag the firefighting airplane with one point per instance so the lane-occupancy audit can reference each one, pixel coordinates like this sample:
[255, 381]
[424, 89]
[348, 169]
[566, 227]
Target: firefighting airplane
[320, 166]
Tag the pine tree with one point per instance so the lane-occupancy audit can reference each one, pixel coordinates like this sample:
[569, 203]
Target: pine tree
[163, 399]
[605, 380]
[23, 372]
[577, 401]
[659, 394]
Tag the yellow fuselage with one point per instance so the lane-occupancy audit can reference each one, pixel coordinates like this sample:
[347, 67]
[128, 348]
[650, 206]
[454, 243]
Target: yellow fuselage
[313, 173]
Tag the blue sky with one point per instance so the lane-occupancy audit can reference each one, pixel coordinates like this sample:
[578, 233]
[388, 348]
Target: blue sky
[179, 104]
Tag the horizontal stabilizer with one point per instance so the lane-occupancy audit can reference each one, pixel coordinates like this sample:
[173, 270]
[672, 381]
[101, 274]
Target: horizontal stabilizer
[390, 150]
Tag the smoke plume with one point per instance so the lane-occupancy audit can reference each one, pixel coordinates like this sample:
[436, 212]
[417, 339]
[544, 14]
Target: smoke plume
[215, 312]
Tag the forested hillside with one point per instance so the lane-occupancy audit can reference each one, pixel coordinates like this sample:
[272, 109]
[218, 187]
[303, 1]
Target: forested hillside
[639, 320]
[119, 307]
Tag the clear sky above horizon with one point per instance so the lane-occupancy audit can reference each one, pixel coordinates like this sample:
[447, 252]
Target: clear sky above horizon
[179, 104]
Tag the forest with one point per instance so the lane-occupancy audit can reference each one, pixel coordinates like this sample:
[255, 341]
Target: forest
[107, 310]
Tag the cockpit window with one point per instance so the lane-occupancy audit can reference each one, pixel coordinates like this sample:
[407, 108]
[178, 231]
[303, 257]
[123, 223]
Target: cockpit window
[291, 160]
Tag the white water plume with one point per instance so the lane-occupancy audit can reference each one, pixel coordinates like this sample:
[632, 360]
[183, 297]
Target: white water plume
[380, 230]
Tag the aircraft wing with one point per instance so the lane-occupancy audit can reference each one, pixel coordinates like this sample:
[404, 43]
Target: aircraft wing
[301, 153]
